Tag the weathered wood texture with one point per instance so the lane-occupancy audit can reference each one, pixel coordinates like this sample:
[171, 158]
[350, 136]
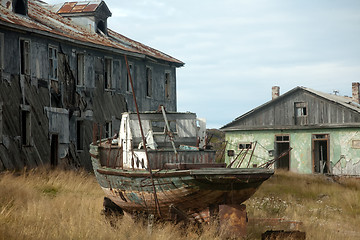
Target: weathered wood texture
[281, 113]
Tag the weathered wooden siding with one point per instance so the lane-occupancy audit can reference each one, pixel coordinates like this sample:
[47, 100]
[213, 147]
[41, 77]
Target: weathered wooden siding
[281, 112]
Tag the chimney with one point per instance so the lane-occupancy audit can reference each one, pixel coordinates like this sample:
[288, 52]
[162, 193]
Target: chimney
[355, 92]
[275, 92]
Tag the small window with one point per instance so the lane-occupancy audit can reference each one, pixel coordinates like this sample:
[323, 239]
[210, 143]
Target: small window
[80, 69]
[108, 73]
[79, 135]
[128, 85]
[25, 127]
[19, 6]
[246, 146]
[25, 57]
[167, 85]
[148, 82]
[53, 63]
[282, 138]
[300, 109]
[231, 153]
[1, 51]
[108, 130]
[101, 27]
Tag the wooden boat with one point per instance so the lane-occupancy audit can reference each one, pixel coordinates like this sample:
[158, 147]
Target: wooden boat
[174, 171]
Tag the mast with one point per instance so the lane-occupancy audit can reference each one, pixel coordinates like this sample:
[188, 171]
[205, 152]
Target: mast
[143, 139]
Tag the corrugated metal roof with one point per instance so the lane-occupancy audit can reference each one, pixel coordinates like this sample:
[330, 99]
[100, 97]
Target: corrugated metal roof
[79, 7]
[44, 21]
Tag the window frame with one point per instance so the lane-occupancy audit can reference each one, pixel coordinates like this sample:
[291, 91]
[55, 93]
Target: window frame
[245, 147]
[25, 65]
[53, 68]
[25, 127]
[149, 81]
[80, 70]
[108, 73]
[167, 83]
[128, 85]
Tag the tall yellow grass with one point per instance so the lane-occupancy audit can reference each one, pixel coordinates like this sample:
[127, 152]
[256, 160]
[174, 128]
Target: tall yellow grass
[57, 204]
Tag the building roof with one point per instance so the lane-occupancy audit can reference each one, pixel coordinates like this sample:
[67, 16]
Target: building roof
[341, 100]
[79, 7]
[44, 20]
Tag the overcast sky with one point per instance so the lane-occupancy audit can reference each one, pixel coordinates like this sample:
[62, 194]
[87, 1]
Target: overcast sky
[236, 50]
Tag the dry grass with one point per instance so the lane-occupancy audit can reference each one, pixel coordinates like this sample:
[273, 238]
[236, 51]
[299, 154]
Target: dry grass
[43, 204]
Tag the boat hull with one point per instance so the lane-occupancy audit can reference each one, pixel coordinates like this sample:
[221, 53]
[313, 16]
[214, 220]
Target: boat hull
[190, 191]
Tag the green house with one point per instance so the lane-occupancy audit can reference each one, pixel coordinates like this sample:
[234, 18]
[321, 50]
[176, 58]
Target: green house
[303, 130]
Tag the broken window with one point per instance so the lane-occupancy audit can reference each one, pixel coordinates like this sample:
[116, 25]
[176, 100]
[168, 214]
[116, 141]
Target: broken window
[1, 51]
[25, 127]
[231, 153]
[108, 130]
[24, 57]
[128, 85]
[148, 82]
[245, 146]
[108, 73]
[19, 6]
[167, 85]
[79, 135]
[53, 63]
[80, 69]
[301, 113]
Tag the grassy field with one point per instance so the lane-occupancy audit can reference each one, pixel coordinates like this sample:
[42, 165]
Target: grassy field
[57, 204]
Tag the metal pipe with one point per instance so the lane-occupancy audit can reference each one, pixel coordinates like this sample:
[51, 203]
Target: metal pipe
[143, 138]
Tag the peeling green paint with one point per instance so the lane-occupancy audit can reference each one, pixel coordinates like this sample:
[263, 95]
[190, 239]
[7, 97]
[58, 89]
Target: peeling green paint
[344, 157]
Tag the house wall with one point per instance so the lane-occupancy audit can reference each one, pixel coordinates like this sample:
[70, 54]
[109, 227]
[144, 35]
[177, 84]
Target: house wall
[344, 148]
[57, 106]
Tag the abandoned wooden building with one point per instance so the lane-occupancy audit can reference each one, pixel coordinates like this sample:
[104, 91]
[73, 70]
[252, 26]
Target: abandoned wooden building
[322, 130]
[61, 70]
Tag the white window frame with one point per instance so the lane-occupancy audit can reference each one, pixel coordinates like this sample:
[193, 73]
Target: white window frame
[53, 62]
[25, 65]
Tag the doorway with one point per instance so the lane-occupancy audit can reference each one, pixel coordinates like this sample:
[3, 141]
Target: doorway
[282, 144]
[54, 154]
[320, 153]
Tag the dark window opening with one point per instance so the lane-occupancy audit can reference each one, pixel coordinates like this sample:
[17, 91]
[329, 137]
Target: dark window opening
[231, 153]
[25, 57]
[108, 73]
[25, 127]
[167, 85]
[245, 146]
[128, 85]
[53, 63]
[282, 138]
[101, 27]
[148, 82]
[54, 153]
[19, 7]
[79, 135]
[108, 130]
